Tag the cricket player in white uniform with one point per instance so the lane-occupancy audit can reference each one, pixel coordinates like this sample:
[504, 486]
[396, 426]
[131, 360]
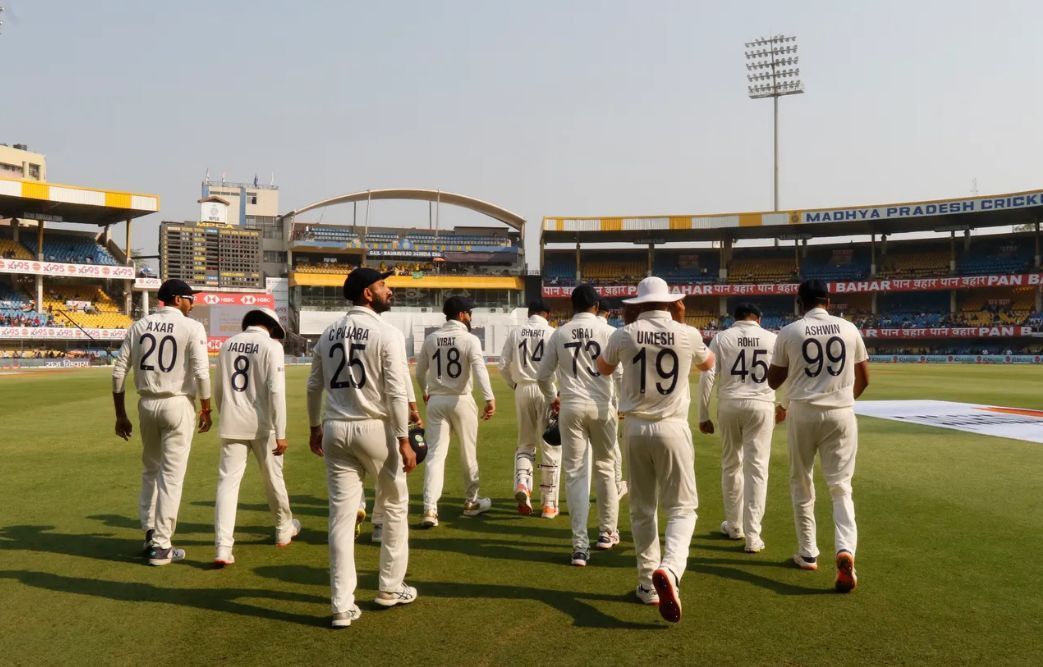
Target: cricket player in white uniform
[825, 361]
[360, 364]
[586, 414]
[448, 361]
[746, 415]
[167, 352]
[519, 361]
[658, 354]
[250, 395]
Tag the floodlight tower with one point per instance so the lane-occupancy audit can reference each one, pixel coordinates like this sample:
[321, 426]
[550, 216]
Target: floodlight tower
[771, 65]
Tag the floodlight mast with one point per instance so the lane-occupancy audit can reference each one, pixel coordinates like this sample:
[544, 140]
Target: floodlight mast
[771, 65]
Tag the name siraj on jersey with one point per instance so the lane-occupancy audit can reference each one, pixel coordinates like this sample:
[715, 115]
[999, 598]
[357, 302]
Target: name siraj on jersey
[349, 333]
[243, 348]
[582, 334]
[160, 327]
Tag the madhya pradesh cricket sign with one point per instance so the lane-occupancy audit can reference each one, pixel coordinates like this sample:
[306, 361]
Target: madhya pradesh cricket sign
[1002, 422]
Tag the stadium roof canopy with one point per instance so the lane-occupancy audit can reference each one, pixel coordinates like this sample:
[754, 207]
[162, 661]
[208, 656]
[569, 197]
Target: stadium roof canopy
[485, 208]
[35, 200]
[940, 215]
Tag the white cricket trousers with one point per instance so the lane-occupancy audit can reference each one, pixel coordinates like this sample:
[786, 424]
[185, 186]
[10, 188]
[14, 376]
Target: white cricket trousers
[531, 408]
[230, 469]
[833, 433]
[580, 423]
[746, 429]
[662, 472]
[354, 449]
[167, 425]
[446, 415]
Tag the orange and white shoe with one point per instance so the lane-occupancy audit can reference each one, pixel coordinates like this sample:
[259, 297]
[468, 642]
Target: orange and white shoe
[284, 540]
[521, 494]
[669, 597]
[846, 579]
[809, 563]
[550, 511]
[224, 558]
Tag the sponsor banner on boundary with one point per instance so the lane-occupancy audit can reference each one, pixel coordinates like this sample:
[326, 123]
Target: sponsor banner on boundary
[956, 359]
[60, 333]
[842, 287]
[1010, 331]
[1001, 422]
[33, 267]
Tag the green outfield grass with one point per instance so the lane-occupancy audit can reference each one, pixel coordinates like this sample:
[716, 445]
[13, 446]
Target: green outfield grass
[951, 532]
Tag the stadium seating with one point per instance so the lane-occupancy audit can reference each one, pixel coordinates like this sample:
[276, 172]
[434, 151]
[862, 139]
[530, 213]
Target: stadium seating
[835, 264]
[994, 257]
[604, 271]
[103, 312]
[11, 250]
[905, 264]
[559, 268]
[70, 248]
[686, 268]
[762, 270]
[339, 269]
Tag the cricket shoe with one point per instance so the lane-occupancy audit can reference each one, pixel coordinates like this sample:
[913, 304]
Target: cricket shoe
[731, 531]
[477, 506]
[753, 545]
[158, 556]
[223, 558]
[343, 619]
[666, 585]
[550, 511]
[430, 519]
[521, 494]
[809, 563]
[846, 579]
[580, 558]
[284, 540]
[148, 541]
[404, 596]
[378, 533]
[607, 540]
[360, 518]
[647, 596]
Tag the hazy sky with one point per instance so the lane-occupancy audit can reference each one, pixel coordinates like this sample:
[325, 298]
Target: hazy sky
[545, 108]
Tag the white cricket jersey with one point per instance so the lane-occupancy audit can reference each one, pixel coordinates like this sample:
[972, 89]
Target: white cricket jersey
[743, 356]
[449, 359]
[250, 388]
[657, 355]
[360, 362]
[820, 351]
[572, 355]
[167, 352]
[523, 351]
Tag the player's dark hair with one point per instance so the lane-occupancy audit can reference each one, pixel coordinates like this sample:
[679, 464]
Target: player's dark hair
[812, 294]
[744, 310]
[538, 306]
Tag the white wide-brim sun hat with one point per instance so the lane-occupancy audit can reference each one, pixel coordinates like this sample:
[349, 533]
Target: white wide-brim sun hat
[277, 330]
[653, 290]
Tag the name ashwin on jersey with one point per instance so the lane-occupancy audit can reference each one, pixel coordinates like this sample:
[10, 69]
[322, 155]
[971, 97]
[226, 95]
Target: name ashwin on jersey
[822, 330]
[655, 338]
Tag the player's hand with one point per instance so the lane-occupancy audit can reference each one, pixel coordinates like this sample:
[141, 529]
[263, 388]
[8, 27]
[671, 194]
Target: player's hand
[780, 414]
[124, 428]
[555, 405]
[427, 397]
[706, 427]
[315, 441]
[490, 410]
[408, 455]
[204, 421]
[414, 416]
[280, 446]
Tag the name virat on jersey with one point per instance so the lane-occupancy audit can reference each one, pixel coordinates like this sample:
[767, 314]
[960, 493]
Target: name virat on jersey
[442, 341]
[348, 333]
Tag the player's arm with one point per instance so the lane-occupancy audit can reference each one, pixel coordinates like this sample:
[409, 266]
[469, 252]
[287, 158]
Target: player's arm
[219, 381]
[706, 382]
[481, 378]
[276, 381]
[548, 367]
[703, 357]
[422, 361]
[779, 370]
[861, 366]
[609, 358]
[395, 370]
[507, 361]
[124, 428]
[200, 364]
[316, 383]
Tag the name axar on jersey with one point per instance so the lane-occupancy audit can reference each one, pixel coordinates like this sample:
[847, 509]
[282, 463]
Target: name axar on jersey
[519, 362]
[746, 416]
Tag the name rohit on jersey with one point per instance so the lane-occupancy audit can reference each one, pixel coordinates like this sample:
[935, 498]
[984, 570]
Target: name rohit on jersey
[244, 348]
[822, 330]
[662, 338]
[746, 341]
[349, 333]
[159, 327]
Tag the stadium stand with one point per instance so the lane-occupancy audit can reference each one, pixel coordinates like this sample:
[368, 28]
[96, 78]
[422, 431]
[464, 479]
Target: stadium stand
[18, 310]
[994, 257]
[70, 248]
[611, 271]
[762, 270]
[11, 250]
[686, 268]
[848, 263]
[86, 305]
[909, 263]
